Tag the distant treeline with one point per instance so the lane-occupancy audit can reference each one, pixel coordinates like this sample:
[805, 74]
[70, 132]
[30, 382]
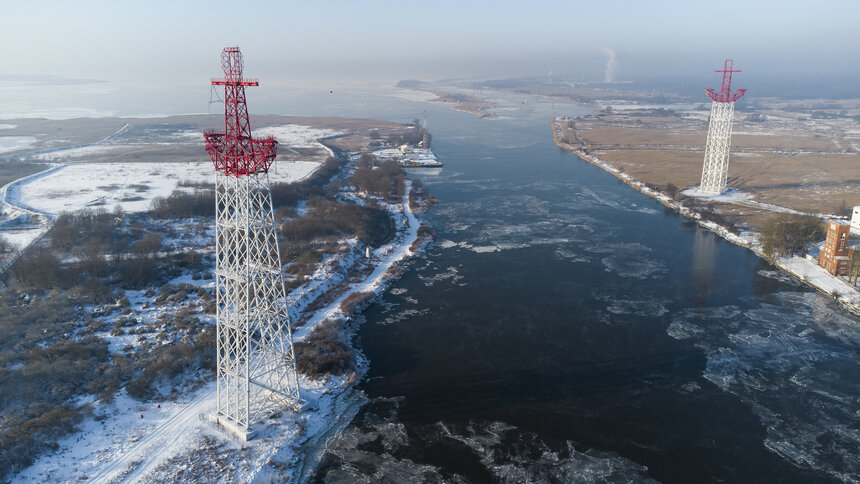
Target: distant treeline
[384, 180]
[200, 203]
[410, 136]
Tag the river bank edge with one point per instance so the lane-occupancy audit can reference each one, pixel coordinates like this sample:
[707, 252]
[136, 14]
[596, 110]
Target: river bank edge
[345, 400]
[846, 295]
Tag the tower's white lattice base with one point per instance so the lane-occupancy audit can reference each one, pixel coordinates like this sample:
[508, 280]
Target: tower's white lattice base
[256, 365]
[716, 167]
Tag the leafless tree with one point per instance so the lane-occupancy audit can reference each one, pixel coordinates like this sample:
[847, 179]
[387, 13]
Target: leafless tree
[148, 246]
[854, 268]
[787, 234]
[672, 190]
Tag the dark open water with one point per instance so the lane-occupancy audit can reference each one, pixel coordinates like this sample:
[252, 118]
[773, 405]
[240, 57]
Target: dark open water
[566, 328]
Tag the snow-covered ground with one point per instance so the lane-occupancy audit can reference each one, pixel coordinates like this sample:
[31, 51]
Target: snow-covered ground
[731, 195]
[81, 152]
[384, 257]
[21, 237]
[103, 448]
[296, 135]
[815, 275]
[73, 184]
[413, 158]
[130, 185]
[737, 197]
[414, 94]
[126, 441]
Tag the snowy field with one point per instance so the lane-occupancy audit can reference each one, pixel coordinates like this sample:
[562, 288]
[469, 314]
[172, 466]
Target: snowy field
[82, 152]
[20, 237]
[133, 186]
[295, 135]
[73, 184]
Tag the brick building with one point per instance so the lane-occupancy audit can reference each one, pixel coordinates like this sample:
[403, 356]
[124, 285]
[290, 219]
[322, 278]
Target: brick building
[835, 257]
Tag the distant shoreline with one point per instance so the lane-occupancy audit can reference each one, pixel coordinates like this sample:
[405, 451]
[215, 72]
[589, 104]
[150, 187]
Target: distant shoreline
[851, 300]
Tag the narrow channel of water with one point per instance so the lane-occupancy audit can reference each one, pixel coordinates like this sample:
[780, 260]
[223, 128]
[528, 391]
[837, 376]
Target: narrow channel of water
[566, 328]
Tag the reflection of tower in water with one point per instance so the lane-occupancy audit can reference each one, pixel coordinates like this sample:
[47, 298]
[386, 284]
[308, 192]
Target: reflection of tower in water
[821, 314]
[704, 255]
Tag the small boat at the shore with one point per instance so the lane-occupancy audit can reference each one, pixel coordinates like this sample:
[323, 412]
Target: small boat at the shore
[420, 158]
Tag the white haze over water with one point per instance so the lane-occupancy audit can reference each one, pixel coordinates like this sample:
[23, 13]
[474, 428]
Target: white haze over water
[96, 59]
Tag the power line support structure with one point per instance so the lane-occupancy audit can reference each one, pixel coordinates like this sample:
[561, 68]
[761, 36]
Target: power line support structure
[716, 166]
[256, 364]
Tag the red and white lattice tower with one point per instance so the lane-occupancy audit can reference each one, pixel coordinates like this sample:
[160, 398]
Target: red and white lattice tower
[716, 166]
[256, 364]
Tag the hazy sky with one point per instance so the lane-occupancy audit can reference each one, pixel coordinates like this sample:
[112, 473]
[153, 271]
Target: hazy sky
[156, 42]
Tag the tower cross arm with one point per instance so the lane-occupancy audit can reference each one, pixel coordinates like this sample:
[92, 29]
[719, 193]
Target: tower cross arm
[240, 82]
[725, 96]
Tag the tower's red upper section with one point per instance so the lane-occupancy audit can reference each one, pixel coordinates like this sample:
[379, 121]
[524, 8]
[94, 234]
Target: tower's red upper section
[725, 95]
[233, 151]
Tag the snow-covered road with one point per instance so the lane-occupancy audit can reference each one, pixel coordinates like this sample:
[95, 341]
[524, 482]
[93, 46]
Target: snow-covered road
[37, 223]
[167, 439]
[388, 254]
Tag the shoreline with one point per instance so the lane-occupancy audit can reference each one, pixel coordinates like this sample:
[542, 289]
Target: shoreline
[341, 389]
[837, 289]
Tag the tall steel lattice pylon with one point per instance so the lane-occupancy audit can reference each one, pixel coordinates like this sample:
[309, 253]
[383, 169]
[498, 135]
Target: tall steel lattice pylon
[256, 364]
[716, 167]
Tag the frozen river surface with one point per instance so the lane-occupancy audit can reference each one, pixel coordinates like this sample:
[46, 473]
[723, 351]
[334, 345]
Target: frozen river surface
[565, 328]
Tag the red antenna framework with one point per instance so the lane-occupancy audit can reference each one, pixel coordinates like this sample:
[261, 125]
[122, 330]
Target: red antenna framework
[234, 152]
[725, 95]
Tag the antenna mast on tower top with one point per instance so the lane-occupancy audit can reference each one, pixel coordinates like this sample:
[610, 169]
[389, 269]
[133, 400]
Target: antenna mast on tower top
[233, 151]
[725, 95]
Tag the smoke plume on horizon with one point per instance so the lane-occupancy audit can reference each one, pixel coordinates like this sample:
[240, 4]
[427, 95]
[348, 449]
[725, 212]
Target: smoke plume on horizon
[611, 64]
